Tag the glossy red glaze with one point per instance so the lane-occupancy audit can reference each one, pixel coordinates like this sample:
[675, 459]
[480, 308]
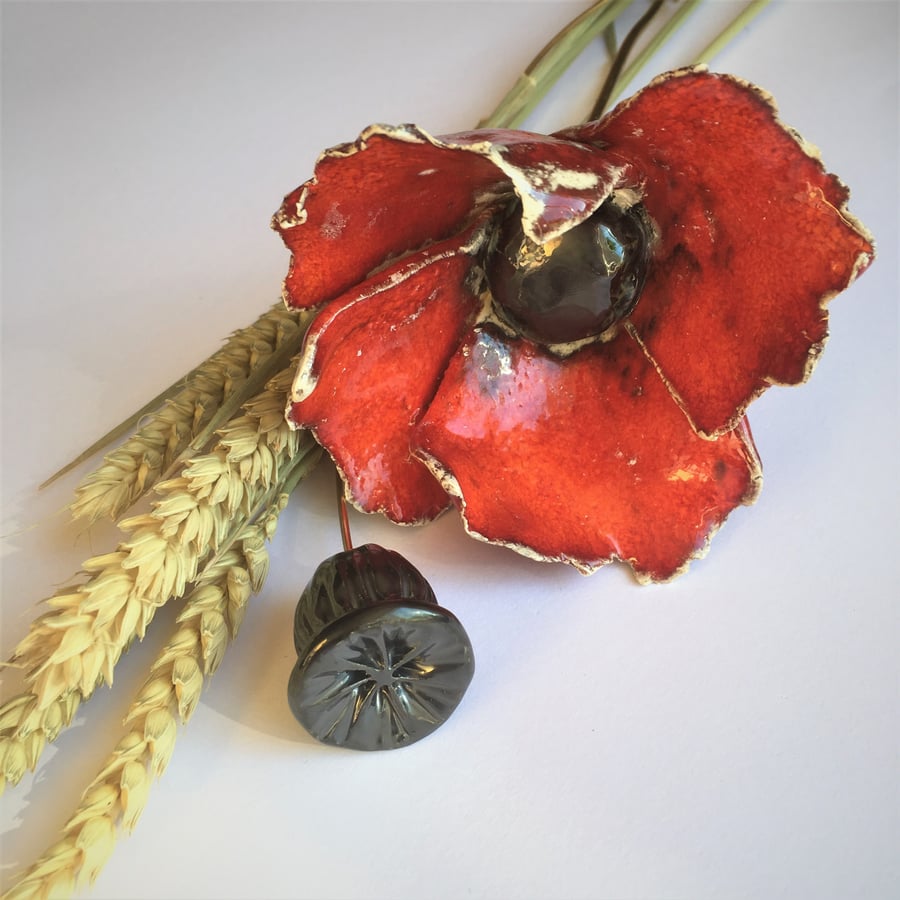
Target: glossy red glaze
[395, 189]
[753, 241]
[560, 182]
[598, 454]
[375, 357]
[581, 460]
[382, 196]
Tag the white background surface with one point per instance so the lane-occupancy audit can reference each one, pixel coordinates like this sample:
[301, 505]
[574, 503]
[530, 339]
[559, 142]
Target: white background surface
[733, 734]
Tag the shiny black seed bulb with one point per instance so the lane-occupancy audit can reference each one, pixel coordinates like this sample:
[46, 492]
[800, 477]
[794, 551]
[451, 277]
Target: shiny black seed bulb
[380, 664]
[575, 286]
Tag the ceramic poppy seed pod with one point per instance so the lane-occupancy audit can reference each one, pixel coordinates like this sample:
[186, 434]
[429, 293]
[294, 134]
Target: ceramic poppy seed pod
[380, 664]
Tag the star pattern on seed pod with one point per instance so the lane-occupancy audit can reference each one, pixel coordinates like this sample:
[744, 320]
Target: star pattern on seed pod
[380, 664]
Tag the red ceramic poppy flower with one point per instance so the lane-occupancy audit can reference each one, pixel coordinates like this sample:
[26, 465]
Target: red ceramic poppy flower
[561, 333]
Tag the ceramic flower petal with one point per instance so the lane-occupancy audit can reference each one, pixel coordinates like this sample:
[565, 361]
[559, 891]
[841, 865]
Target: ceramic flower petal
[371, 363]
[616, 429]
[753, 240]
[560, 183]
[397, 188]
[581, 460]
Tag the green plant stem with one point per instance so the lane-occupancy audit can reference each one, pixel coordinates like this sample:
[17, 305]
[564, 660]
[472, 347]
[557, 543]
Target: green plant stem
[122, 428]
[671, 25]
[253, 384]
[610, 41]
[741, 21]
[553, 60]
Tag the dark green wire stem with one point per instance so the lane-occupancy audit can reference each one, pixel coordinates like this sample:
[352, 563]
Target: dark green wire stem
[621, 58]
[346, 540]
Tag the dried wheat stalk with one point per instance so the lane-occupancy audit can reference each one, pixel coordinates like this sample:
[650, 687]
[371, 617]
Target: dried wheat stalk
[76, 644]
[25, 730]
[188, 416]
[212, 615]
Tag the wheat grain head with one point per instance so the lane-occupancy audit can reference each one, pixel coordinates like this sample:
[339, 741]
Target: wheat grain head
[76, 643]
[212, 615]
[134, 467]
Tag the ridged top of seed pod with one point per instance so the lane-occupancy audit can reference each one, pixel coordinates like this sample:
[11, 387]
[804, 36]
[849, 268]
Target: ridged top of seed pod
[353, 580]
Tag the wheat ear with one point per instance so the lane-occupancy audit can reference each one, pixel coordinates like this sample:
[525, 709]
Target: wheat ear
[76, 644]
[210, 395]
[25, 729]
[212, 615]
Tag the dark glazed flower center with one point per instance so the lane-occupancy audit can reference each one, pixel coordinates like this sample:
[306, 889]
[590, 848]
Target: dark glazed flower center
[575, 286]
